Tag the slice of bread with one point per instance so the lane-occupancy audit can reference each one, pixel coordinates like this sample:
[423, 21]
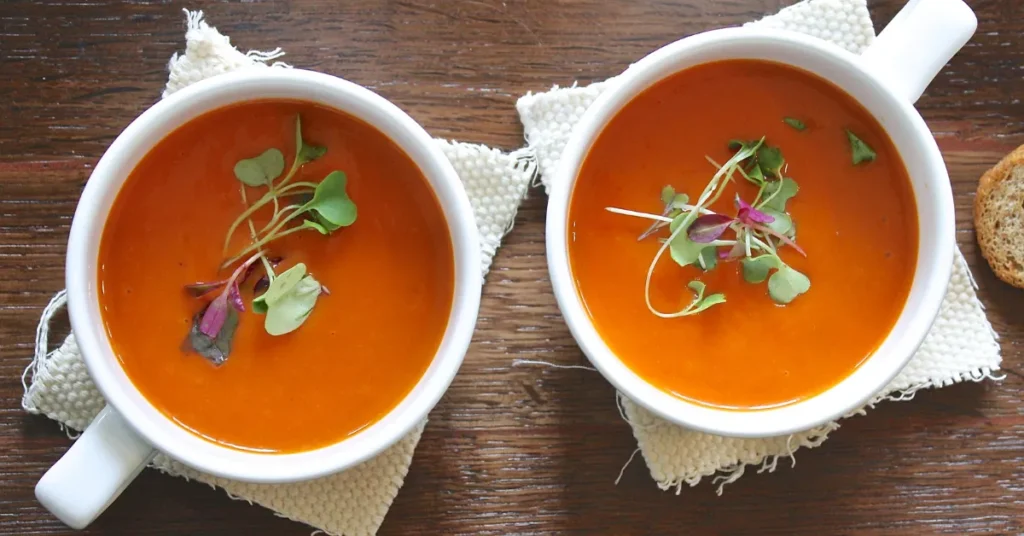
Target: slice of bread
[999, 217]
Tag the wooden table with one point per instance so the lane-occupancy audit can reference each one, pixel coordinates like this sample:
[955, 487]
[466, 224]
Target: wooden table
[508, 450]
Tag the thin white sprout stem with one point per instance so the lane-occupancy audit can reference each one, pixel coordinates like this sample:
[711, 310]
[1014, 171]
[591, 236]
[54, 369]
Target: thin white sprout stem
[757, 241]
[636, 214]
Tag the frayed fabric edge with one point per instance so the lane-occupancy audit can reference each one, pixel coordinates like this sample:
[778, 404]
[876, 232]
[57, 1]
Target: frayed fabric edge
[769, 462]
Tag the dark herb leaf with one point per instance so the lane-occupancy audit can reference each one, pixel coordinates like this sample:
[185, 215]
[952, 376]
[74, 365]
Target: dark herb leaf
[770, 160]
[303, 152]
[737, 145]
[755, 175]
[308, 153]
[216, 349]
[331, 202]
[795, 123]
[709, 227]
[259, 305]
[262, 284]
[302, 199]
[861, 151]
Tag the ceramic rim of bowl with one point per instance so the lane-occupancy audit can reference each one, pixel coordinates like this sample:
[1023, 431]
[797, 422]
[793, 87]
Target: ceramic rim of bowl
[148, 130]
[932, 195]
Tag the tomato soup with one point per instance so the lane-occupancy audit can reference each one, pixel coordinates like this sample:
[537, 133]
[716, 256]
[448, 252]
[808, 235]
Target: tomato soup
[856, 223]
[387, 280]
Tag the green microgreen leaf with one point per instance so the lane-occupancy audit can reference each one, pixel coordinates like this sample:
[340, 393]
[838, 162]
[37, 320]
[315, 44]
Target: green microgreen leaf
[795, 123]
[701, 302]
[679, 201]
[778, 193]
[708, 259]
[781, 223]
[305, 152]
[289, 310]
[755, 270]
[755, 175]
[708, 301]
[668, 193]
[683, 250]
[861, 151]
[279, 285]
[770, 160]
[310, 224]
[260, 170]
[786, 284]
[331, 202]
[739, 145]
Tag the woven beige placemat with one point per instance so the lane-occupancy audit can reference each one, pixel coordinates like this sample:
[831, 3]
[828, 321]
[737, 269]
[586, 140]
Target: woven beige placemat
[353, 502]
[960, 347]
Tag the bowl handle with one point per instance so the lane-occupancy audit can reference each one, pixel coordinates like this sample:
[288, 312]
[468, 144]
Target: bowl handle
[94, 471]
[918, 42]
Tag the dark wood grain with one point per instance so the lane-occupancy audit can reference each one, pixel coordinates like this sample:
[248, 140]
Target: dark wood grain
[509, 449]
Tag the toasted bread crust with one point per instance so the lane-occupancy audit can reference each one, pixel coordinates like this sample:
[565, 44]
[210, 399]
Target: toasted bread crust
[987, 217]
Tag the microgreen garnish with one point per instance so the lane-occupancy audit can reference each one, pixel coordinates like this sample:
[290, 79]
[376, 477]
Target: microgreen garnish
[288, 301]
[795, 123]
[260, 170]
[217, 348]
[294, 206]
[862, 152]
[700, 301]
[214, 326]
[760, 229]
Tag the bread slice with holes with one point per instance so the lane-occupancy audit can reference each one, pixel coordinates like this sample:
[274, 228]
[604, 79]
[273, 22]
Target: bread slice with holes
[999, 217]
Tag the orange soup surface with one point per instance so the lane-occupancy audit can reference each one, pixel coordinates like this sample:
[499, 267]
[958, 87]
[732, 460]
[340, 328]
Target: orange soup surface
[364, 346]
[857, 223]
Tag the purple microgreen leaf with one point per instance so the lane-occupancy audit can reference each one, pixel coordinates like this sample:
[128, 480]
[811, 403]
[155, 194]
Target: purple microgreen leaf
[750, 215]
[216, 349]
[217, 311]
[214, 316]
[262, 284]
[709, 227]
[198, 290]
[235, 297]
